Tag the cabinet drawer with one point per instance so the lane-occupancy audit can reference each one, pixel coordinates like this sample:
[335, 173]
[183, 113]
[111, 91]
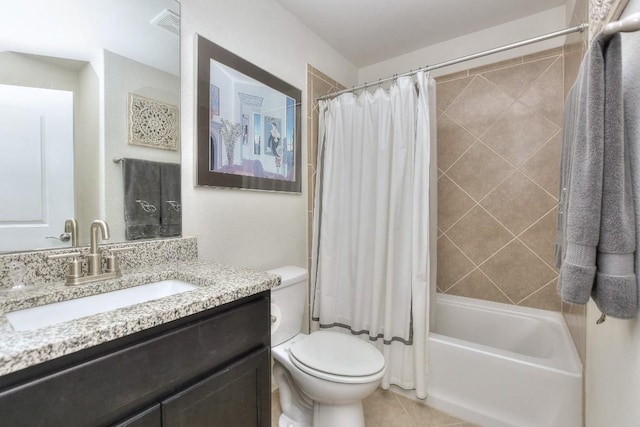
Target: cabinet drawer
[238, 395]
[106, 389]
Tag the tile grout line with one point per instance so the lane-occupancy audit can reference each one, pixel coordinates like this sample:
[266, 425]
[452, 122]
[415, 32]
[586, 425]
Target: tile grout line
[477, 266]
[444, 110]
[531, 249]
[399, 402]
[478, 202]
[536, 291]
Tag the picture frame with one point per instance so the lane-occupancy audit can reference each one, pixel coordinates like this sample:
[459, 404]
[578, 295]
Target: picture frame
[248, 127]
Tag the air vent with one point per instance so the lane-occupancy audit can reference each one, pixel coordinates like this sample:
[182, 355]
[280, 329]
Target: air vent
[169, 21]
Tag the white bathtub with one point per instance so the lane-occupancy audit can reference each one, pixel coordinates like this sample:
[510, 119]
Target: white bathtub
[502, 365]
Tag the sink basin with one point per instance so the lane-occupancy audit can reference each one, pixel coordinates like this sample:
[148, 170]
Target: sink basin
[58, 312]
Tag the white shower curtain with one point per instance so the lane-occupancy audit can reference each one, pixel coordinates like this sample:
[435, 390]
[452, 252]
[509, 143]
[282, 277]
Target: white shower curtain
[371, 261]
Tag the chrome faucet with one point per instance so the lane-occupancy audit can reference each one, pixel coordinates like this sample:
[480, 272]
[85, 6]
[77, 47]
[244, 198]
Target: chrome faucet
[94, 260]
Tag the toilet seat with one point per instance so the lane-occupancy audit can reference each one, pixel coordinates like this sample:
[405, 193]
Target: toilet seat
[337, 357]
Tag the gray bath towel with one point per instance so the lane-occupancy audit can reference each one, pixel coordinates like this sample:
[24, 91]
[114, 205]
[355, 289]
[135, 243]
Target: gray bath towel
[631, 95]
[170, 200]
[141, 198]
[597, 202]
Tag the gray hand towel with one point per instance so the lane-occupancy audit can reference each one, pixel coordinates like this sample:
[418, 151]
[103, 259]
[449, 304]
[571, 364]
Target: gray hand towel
[171, 208]
[141, 198]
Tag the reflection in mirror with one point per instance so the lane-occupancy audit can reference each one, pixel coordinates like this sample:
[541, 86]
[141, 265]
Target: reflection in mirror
[68, 72]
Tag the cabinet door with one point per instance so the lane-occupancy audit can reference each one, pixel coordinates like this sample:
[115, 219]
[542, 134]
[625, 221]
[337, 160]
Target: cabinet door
[237, 396]
[151, 417]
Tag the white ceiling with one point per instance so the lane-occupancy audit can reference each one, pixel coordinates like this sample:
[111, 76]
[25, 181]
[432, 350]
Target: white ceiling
[78, 29]
[369, 31]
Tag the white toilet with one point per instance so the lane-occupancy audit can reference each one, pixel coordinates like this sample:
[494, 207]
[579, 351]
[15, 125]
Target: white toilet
[324, 376]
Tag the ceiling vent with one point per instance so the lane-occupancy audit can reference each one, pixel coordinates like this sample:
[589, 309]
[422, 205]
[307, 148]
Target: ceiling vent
[169, 21]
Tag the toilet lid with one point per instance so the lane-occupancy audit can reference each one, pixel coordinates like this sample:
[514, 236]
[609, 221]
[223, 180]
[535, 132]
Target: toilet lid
[338, 354]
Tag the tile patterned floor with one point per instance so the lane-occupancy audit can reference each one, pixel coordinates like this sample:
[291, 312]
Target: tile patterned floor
[385, 409]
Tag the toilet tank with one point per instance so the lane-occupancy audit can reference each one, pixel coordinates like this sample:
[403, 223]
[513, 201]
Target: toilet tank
[287, 303]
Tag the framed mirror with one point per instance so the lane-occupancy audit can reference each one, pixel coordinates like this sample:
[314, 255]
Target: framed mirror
[68, 72]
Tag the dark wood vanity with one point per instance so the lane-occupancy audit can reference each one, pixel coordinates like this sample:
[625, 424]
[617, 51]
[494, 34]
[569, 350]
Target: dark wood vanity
[208, 369]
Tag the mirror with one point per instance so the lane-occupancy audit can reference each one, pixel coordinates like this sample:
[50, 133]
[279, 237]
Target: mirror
[69, 70]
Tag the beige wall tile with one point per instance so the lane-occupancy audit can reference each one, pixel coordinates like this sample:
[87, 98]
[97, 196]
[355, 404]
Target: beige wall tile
[546, 298]
[545, 96]
[478, 235]
[452, 264]
[453, 203]
[518, 202]
[515, 80]
[541, 237]
[518, 133]
[452, 76]
[477, 285]
[453, 141]
[558, 51]
[448, 91]
[517, 271]
[544, 166]
[479, 171]
[321, 87]
[479, 105]
[495, 66]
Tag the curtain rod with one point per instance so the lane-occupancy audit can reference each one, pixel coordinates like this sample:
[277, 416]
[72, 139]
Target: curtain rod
[577, 29]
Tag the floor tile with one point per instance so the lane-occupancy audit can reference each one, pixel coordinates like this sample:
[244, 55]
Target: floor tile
[382, 408]
[387, 409]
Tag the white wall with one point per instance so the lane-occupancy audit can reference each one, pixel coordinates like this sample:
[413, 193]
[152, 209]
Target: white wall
[500, 35]
[612, 373]
[249, 228]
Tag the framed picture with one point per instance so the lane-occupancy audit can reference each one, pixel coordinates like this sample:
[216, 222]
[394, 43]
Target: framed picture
[249, 133]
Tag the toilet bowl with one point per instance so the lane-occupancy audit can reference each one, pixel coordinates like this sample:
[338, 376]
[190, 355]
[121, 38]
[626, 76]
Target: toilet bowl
[322, 376]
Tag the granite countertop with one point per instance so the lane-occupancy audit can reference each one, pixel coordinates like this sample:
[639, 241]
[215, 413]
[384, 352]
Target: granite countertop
[219, 284]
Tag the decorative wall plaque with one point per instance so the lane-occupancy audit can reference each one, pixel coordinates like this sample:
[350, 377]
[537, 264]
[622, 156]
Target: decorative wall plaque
[153, 123]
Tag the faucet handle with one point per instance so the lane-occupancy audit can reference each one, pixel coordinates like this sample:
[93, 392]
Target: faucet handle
[112, 261]
[75, 268]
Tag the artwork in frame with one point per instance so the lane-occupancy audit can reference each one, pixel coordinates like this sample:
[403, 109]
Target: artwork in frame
[254, 140]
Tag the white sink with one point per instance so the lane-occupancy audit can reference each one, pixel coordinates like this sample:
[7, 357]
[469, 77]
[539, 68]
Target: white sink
[58, 312]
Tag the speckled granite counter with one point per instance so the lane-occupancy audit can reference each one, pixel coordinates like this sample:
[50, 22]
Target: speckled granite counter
[219, 284]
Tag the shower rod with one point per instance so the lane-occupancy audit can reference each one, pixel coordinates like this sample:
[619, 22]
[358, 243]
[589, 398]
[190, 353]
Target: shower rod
[577, 29]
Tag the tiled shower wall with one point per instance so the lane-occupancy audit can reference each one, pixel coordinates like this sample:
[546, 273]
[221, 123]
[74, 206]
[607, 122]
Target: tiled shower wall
[499, 136]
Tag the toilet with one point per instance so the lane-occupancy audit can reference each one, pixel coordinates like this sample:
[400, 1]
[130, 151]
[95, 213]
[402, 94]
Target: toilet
[322, 376]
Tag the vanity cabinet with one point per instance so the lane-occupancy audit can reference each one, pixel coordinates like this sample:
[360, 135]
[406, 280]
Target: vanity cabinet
[212, 368]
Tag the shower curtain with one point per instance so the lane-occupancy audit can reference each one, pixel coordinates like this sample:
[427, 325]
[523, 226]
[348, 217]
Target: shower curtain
[372, 270]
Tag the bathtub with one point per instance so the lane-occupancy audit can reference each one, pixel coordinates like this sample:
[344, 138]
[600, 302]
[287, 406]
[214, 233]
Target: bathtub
[502, 365]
